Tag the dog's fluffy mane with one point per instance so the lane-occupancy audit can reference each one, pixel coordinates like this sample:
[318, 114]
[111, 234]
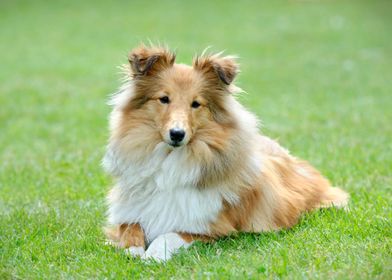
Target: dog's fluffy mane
[222, 155]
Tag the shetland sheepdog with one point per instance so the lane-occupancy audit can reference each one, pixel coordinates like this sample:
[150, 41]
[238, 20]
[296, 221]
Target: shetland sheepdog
[190, 164]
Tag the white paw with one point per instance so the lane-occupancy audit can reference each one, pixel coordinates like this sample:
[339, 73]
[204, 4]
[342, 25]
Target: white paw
[164, 246]
[135, 251]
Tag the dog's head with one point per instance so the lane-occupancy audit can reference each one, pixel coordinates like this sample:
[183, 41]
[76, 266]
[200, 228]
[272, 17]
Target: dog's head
[179, 101]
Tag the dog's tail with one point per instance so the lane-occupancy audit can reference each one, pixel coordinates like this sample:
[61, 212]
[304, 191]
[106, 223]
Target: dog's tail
[335, 197]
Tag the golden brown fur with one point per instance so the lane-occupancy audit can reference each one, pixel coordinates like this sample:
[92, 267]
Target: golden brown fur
[126, 235]
[268, 196]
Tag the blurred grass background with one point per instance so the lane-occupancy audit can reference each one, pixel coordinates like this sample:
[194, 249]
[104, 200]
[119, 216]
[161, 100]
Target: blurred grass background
[318, 74]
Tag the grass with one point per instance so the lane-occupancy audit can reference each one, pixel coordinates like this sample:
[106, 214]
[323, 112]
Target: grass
[318, 74]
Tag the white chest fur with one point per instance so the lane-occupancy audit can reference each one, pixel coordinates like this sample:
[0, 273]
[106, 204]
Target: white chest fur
[160, 193]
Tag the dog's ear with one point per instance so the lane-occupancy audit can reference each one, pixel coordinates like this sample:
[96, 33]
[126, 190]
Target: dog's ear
[215, 67]
[147, 61]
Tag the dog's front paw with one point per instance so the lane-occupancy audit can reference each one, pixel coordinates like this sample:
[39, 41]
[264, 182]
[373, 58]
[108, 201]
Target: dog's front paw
[135, 251]
[164, 246]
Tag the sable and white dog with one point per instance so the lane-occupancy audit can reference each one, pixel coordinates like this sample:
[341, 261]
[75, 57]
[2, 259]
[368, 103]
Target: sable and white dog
[190, 163]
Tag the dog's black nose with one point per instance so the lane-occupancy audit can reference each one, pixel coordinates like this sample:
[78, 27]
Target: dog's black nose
[177, 135]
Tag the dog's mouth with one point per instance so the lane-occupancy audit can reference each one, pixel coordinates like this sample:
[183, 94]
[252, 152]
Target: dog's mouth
[175, 144]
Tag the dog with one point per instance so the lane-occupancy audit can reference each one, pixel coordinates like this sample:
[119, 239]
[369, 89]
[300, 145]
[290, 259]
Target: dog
[190, 163]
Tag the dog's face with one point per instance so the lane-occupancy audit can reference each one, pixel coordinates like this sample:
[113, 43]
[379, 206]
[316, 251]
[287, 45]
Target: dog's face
[180, 101]
[177, 104]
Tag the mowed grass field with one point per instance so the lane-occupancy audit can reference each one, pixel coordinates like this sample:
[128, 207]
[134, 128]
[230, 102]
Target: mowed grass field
[317, 73]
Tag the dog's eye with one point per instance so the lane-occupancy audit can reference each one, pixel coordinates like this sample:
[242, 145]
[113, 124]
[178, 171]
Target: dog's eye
[195, 104]
[164, 100]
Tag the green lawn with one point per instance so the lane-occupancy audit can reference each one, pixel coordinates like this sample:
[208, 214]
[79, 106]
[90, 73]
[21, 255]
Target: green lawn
[318, 74]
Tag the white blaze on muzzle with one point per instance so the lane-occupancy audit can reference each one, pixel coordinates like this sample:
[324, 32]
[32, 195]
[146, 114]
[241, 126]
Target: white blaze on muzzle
[178, 129]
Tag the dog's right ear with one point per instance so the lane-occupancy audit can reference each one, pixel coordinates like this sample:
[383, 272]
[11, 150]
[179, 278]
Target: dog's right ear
[147, 61]
[217, 68]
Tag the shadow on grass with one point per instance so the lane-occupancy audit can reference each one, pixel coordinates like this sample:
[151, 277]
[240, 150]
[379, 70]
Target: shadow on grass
[247, 242]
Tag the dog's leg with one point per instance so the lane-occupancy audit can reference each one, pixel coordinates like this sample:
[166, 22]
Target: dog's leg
[128, 236]
[166, 245]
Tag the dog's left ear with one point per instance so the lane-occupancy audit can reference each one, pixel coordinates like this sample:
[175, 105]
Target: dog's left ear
[215, 67]
[147, 61]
